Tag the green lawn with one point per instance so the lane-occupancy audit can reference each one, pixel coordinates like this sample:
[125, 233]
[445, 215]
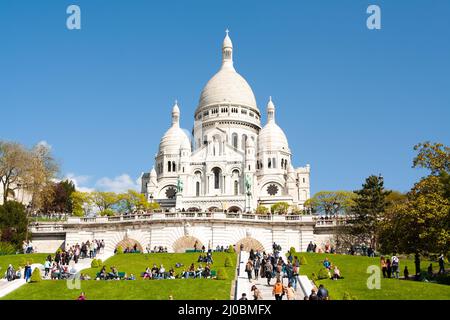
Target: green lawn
[189, 289]
[354, 268]
[20, 259]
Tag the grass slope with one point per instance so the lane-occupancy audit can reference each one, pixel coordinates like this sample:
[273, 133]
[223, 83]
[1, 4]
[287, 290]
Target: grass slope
[20, 259]
[189, 289]
[354, 268]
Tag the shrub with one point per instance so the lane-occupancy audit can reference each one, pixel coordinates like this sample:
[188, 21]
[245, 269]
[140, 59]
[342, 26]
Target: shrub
[292, 251]
[303, 260]
[99, 262]
[262, 210]
[323, 274]
[6, 248]
[231, 249]
[221, 274]
[36, 275]
[94, 263]
[348, 296]
[119, 250]
[314, 277]
[107, 212]
[59, 251]
[228, 262]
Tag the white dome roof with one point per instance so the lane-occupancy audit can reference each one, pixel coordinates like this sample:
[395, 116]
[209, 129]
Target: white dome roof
[227, 85]
[271, 137]
[173, 140]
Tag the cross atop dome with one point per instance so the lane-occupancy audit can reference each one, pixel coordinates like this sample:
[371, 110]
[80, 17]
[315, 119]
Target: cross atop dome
[227, 50]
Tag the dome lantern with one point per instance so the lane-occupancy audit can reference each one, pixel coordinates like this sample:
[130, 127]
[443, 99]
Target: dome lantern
[270, 110]
[176, 114]
[227, 51]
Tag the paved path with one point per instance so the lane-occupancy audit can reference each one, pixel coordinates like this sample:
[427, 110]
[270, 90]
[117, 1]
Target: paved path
[244, 286]
[7, 287]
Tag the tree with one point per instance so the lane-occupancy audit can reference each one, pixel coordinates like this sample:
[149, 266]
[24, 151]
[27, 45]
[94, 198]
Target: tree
[432, 156]
[13, 223]
[331, 203]
[132, 201]
[42, 170]
[104, 201]
[370, 205]
[14, 162]
[81, 203]
[280, 207]
[262, 210]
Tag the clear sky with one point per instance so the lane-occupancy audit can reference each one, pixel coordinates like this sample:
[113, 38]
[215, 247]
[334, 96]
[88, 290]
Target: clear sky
[352, 101]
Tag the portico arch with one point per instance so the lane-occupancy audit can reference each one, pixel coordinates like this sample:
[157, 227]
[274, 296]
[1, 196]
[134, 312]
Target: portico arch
[129, 243]
[249, 243]
[186, 243]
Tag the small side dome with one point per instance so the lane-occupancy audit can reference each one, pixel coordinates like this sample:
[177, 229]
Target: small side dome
[272, 137]
[175, 137]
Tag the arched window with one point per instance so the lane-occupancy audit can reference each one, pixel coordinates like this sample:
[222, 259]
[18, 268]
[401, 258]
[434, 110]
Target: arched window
[244, 141]
[236, 187]
[269, 163]
[173, 166]
[216, 172]
[234, 139]
[169, 166]
[274, 163]
[197, 188]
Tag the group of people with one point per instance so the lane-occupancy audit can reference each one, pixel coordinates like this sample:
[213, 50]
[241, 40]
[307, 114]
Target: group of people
[88, 249]
[156, 249]
[391, 267]
[327, 248]
[330, 267]
[27, 247]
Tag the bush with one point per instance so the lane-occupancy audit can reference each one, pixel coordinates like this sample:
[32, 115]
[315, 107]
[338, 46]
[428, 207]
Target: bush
[36, 275]
[314, 277]
[221, 274]
[262, 210]
[99, 262]
[6, 248]
[348, 296]
[107, 212]
[323, 274]
[94, 263]
[228, 262]
[303, 260]
[119, 250]
[59, 251]
[292, 251]
[231, 249]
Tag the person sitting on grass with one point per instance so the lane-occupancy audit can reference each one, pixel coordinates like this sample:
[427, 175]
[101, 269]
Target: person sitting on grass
[155, 271]
[199, 272]
[114, 274]
[336, 273]
[81, 297]
[327, 264]
[131, 277]
[209, 258]
[103, 275]
[161, 272]
[207, 271]
[171, 274]
[192, 270]
[147, 273]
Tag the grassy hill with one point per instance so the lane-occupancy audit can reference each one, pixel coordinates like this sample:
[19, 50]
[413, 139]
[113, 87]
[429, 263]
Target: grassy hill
[354, 271]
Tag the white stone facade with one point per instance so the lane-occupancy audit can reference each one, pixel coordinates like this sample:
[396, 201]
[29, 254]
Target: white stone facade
[231, 162]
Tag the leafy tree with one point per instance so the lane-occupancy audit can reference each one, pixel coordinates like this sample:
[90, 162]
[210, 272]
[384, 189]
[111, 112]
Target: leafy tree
[280, 207]
[13, 223]
[81, 203]
[61, 200]
[14, 160]
[104, 200]
[133, 201]
[432, 156]
[370, 205]
[262, 210]
[331, 203]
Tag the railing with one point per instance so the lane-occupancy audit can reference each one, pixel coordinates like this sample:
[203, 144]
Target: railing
[290, 218]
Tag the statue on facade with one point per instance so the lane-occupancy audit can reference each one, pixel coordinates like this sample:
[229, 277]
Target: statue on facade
[248, 184]
[179, 185]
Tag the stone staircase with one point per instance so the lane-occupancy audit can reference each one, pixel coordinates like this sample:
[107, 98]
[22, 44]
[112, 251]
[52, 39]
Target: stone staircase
[243, 285]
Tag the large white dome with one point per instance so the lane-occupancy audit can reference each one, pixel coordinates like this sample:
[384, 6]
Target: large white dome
[227, 86]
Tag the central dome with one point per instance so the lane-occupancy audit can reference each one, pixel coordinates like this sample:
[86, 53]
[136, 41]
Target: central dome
[227, 85]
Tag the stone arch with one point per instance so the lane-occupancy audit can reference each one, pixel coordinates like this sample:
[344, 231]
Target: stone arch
[234, 209]
[129, 243]
[248, 244]
[186, 243]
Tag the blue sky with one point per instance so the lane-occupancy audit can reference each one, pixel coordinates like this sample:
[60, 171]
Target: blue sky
[352, 101]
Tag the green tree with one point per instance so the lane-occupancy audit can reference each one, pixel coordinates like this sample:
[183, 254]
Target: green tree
[104, 201]
[369, 208]
[280, 207]
[81, 203]
[262, 209]
[132, 202]
[432, 156]
[13, 223]
[331, 203]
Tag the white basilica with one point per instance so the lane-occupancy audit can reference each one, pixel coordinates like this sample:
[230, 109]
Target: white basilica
[231, 163]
